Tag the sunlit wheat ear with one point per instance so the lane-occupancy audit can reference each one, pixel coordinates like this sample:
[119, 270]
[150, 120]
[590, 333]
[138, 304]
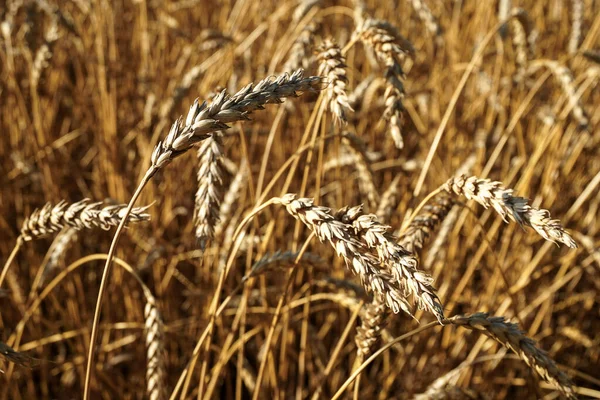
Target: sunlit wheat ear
[420, 229]
[83, 214]
[44, 53]
[300, 53]
[390, 49]
[493, 194]
[519, 38]
[332, 65]
[510, 336]
[372, 323]
[426, 16]
[203, 119]
[400, 263]
[155, 349]
[208, 195]
[564, 76]
[347, 245]
[576, 24]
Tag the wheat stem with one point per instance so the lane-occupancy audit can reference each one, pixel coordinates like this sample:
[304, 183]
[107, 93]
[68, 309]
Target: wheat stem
[10, 259]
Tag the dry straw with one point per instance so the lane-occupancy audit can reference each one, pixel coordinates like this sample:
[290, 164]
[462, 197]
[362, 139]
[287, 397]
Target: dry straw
[493, 194]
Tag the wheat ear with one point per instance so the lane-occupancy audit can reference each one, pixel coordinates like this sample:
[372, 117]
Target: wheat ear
[155, 349]
[347, 245]
[511, 337]
[332, 65]
[201, 122]
[208, 195]
[493, 194]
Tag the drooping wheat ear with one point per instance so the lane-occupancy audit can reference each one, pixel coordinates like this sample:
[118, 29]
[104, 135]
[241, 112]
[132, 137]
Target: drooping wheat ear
[519, 38]
[504, 7]
[9, 354]
[80, 215]
[419, 230]
[576, 24]
[283, 260]
[44, 53]
[347, 245]
[230, 198]
[402, 265]
[203, 120]
[564, 77]
[332, 65]
[371, 325]
[493, 194]
[389, 200]
[303, 7]
[155, 349]
[510, 336]
[300, 53]
[365, 173]
[208, 196]
[426, 16]
[382, 38]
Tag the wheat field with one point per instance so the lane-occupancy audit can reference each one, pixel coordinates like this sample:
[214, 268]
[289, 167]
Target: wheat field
[307, 199]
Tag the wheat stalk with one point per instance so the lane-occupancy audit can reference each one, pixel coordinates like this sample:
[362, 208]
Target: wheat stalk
[511, 337]
[493, 194]
[332, 65]
[208, 195]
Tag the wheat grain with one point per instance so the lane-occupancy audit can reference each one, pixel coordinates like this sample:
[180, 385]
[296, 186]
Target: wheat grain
[82, 214]
[372, 323]
[493, 194]
[511, 337]
[202, 120]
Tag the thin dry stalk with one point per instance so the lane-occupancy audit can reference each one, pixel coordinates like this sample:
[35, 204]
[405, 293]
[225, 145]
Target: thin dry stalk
[332, 65]
[511, 337]
[208, 196]
[347, 245]
[493, 194]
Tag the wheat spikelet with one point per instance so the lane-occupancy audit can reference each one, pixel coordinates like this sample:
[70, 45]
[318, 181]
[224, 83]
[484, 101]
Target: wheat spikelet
[9, 354]
[576, 24]
[208, 195]
[203, 120]
[564, 76]
[59, 247]
[301, 48]
[383, 39]
[80, 215]
[401, 264]
[155, 367]
[426, 16]
[372, 323]
[419, 230]
[347, 245]
[493, 194]
[230, 197]
[332, 65]
[510, 336]
[283, 260]
[44, 53]
[519, 38]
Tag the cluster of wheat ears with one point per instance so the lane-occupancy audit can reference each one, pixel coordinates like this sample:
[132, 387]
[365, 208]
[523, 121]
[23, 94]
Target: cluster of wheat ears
[361, 192]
